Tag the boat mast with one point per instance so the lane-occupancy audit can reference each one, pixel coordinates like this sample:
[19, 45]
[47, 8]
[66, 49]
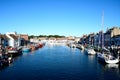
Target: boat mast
[102, 29]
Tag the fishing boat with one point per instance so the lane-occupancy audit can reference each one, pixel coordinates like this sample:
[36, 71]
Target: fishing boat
[33, 47]
[12, 50]
[40, 45]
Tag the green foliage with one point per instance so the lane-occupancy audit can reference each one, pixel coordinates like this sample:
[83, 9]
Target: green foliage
[42, 36]
[32, 36]
[49, 36]
[55, 36]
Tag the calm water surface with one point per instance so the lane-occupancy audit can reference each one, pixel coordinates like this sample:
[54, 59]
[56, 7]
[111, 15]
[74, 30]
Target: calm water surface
[59, 63]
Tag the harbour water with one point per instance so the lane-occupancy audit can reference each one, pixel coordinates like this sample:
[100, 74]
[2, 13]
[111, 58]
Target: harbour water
[59, 62]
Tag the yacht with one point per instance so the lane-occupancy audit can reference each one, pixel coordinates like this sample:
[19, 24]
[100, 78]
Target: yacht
[106, 56]
[90, 51]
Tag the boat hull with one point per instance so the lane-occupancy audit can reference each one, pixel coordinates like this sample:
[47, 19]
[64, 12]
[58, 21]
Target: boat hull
[90, 51]
[13, 52]
[26, 50]
[103, 58]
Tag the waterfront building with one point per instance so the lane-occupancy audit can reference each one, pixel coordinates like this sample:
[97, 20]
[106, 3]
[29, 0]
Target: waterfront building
[101, 39]
[51, 40]
[21, 41]
[96, 40]
[116, 40]
[24, 39]
[91, 39]
[61, 40]
[84, 40]
[13, 39]
[107, 38]
[24, 36]
[3, 40]
[71, 38]
[77, 39]
[110, 33]
[42, 39]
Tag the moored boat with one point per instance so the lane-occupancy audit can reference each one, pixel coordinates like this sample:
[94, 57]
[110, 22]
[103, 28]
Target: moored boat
[72, 46]
[32, 48]
[26, 49]
[40, 45]
[90, 51]
[107, 57]
[79, 46]
[82, 47]
[12, 50]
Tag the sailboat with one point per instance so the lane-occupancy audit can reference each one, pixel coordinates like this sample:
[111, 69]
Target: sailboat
[105, 55]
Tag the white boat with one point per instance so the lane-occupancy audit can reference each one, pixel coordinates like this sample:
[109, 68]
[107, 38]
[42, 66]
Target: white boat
[72, 46]
[82, 47]
[107, 58]
[13, 51]
[90, 51]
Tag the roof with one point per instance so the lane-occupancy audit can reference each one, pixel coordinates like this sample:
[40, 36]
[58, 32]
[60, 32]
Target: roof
[23, 34]
[13, 36]
[3, 36]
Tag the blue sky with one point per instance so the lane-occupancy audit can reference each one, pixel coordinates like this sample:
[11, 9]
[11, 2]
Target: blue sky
[61, 17]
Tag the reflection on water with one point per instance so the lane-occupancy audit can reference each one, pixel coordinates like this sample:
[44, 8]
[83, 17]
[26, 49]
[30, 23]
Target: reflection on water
[112, 66]
[111, 69]
[72, 50]
[91, 57]
[82, 51]
[55, 44]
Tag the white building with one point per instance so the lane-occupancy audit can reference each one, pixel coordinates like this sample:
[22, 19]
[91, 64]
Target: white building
[13, 39]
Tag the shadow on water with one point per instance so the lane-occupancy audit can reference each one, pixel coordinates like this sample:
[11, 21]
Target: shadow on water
[3, 67]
